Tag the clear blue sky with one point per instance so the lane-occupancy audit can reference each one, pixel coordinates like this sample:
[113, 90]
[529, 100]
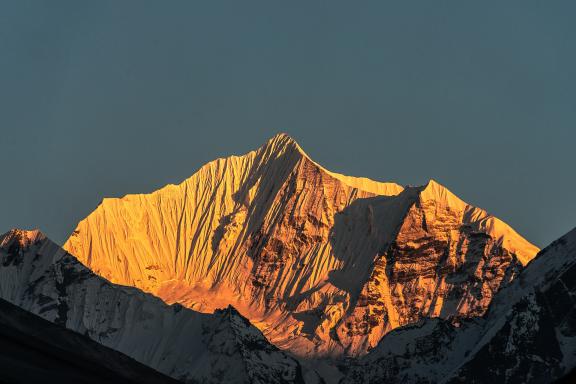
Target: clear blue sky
[104, 98]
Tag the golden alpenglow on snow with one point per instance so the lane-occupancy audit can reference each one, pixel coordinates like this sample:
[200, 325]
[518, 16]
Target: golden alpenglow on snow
[323, 264]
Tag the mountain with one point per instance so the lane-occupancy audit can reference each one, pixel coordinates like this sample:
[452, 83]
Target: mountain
[35, 350]
[40, 277]
[324, 264]
[528, 334]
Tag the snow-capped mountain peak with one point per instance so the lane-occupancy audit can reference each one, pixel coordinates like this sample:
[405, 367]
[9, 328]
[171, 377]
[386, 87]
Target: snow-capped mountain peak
[322, 263]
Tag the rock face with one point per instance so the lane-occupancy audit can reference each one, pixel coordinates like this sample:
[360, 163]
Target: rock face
[42, 278]
[323, 264]
[37, 351]
[528, 334]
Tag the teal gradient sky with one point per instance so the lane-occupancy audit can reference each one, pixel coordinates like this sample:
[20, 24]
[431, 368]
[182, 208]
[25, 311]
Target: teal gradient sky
[100, 99]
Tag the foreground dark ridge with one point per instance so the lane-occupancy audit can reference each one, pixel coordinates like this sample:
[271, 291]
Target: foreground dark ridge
[34, 350]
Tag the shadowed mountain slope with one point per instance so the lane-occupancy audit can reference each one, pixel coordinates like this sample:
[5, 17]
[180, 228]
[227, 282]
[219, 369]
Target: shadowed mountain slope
[40, 277]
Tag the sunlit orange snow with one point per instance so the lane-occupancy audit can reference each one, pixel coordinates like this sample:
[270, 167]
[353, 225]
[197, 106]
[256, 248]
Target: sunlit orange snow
[322, 263]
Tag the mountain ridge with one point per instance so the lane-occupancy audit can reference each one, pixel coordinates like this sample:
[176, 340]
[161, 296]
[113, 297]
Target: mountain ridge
[40, 277]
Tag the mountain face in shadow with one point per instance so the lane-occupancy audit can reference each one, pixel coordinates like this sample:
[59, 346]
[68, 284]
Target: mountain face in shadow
[35, 350]
[40, 277]
[324, 264]
[528, 334]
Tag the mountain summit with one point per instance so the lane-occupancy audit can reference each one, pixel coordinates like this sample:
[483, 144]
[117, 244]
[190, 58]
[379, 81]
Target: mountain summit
[322, 263]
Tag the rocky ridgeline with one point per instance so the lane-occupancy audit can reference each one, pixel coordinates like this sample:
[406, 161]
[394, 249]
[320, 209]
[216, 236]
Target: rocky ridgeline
[528, 334]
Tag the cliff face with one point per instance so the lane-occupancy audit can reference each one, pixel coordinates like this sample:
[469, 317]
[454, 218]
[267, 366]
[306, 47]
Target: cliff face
[322, 263]
[527, 335]
[40, 277]
[446, 260]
